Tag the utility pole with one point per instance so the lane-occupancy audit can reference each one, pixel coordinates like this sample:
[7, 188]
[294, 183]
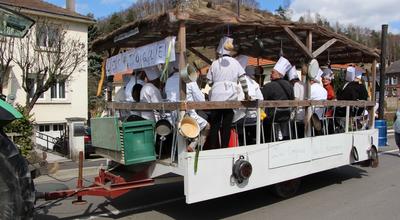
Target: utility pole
[382, 69]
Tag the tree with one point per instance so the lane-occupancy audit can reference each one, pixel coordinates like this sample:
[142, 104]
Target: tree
[116, 21]
[6, 56]
[282, 12]
[47, 57]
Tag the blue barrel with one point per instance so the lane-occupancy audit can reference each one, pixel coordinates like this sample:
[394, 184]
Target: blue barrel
[382, 128]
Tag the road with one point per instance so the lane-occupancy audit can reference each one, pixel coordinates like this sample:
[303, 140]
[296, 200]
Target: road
[349, 192]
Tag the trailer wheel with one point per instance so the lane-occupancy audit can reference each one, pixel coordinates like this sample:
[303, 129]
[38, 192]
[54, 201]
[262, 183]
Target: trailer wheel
[16, 186]
[288, 188]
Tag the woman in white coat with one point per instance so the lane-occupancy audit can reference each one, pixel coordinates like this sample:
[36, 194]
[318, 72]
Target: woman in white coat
[223, 77]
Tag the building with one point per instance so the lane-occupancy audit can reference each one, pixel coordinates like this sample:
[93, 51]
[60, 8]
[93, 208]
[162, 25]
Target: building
[66, 99]
[392, 79]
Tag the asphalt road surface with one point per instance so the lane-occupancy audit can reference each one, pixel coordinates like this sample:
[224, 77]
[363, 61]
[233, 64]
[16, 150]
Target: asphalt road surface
[349, 192]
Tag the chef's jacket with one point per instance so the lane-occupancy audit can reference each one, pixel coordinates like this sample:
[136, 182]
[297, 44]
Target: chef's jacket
[318, 93]
[172, 88]
[150, 94]
[254, 92]
[298, 89]
[129, 86]
[224, 73]
[194, 94]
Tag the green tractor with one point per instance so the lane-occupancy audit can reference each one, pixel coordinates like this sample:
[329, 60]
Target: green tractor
[17, 193]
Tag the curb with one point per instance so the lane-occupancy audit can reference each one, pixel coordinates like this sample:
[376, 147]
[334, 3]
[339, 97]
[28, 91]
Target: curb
[67, 174]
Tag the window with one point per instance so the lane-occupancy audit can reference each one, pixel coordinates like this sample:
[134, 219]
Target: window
[47, 35]
[58, 90]
[32, 86]
[44, 128]
[394, 80]
[58, 127]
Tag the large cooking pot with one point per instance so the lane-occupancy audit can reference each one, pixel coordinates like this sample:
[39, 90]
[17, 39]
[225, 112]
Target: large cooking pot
[163, 127]
[189, 128]
[188, 74]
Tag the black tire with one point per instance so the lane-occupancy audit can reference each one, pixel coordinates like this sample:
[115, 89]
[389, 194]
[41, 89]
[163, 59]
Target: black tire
[16, 186]
[287, 189]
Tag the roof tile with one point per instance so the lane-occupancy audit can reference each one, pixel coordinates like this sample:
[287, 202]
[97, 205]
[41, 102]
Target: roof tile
[42, 6]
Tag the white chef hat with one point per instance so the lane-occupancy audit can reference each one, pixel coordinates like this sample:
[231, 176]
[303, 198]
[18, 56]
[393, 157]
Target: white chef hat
[293, 73]
[250, 71]
[350, 74]
[243, 60]
[318, 76]
[225, 46]
[282, 66]
[152, 73]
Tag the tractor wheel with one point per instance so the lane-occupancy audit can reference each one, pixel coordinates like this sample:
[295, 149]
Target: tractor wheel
[16, 186]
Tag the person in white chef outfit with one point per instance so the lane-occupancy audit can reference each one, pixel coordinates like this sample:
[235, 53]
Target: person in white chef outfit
[193, 94]
[136, 78]
[223, 77]
[133, 88]
[250, 117]
[150, 92]
[299, 94]
[278, 89]
[318, 92]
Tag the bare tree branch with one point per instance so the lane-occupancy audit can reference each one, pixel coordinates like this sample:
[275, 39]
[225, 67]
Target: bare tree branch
[48, 55]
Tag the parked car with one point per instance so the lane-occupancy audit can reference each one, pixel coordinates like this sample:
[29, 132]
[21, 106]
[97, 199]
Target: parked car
[89, 149]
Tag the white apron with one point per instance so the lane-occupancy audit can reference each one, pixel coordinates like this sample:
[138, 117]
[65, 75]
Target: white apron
[224, 91]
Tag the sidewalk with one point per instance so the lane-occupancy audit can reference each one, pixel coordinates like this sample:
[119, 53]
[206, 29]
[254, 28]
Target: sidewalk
[68, 169]
[51, 157]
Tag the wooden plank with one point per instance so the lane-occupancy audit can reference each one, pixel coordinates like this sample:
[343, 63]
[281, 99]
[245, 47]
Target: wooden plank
[325, 46]
[297, 40]
[232, 104]
[201, 56]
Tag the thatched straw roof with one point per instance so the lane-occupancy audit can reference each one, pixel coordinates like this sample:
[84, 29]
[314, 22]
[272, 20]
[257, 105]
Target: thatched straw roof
[206, 25]
[394, 68]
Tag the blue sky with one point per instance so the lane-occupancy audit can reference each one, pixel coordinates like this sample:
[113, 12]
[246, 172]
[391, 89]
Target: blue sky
[371, 14]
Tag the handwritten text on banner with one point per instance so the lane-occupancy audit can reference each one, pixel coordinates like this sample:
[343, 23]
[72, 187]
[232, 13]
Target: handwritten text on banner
[141, 57]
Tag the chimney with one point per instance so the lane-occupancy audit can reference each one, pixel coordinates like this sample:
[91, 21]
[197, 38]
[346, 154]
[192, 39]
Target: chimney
[70, 5]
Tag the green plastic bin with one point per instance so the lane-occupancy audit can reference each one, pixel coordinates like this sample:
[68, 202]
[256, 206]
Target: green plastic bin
[124, 142]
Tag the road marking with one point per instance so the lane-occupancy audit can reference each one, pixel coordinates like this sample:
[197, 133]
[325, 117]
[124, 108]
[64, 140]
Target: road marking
[118, 212]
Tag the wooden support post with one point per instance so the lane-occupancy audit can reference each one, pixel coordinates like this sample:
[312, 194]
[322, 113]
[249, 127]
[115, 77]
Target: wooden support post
[322, 48]
[371, 111]
[201, 56]
[382, 71]
[182, 57]
[308, 113]
[347, 124]
[296, 39]
[309, 40]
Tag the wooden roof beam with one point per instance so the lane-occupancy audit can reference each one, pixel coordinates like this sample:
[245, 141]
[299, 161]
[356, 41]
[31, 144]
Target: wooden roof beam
[297, 40]
[201, 56]
[325, 46]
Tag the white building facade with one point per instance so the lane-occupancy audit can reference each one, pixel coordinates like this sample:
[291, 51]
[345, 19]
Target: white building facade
[67, 99]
